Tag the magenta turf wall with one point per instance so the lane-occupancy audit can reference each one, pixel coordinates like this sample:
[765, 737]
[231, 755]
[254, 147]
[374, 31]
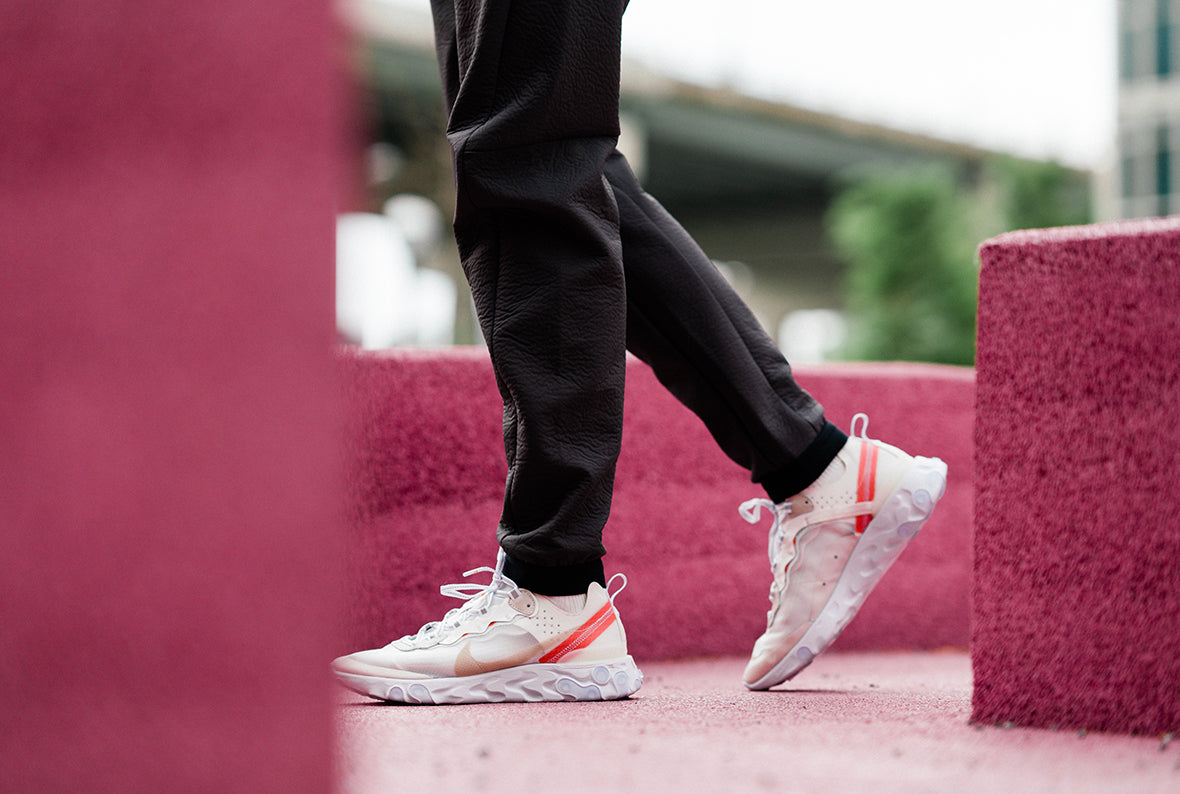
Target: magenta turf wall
[427, 476]
[1077, 538]
[169, 455]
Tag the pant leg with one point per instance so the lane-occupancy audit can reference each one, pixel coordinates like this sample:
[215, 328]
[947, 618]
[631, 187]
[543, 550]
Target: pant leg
[532, 92]
[707, 348]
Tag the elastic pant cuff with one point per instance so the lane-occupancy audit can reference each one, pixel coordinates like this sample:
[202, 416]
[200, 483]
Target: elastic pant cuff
[807, 468]
[557, 580]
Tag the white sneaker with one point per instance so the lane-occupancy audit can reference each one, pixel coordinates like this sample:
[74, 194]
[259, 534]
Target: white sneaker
[504, 644]
[832, 543]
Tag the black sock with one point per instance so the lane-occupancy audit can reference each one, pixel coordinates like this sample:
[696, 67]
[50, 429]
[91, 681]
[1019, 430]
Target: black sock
[785, 483]
[555, 580]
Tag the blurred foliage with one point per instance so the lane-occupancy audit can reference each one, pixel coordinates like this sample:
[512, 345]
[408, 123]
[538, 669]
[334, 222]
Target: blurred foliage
[1038, 195]
[910, 240]
[911, 287]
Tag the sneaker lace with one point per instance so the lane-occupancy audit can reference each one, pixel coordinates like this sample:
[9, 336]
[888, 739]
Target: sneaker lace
[479, 597]
[751, 511]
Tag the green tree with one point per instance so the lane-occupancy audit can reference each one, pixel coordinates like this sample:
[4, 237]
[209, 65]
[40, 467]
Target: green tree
[911, 279]
[1038, 195]
[910, 240]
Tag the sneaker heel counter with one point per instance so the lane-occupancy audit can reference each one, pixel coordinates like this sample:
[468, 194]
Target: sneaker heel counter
[616, 634]
[893, 463]
[611, 642]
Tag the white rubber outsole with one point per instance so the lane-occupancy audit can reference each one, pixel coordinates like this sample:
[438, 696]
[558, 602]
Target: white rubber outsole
[529, 683]
[895, 525]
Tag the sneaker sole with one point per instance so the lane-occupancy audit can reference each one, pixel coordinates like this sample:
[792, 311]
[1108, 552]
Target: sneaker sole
[894, 526]
[529, 683]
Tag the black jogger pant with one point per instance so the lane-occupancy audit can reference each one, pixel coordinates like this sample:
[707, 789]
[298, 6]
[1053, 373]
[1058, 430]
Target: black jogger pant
[570, 264]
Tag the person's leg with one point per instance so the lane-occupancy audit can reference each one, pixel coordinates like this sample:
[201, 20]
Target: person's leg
[842, 508]
[532, 90]
[706, 347]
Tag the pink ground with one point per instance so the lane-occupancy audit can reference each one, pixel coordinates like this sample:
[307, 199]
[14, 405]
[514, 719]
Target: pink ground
[880, 722]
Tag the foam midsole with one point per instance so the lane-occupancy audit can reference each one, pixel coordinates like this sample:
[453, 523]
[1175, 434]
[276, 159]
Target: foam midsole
[602, 680]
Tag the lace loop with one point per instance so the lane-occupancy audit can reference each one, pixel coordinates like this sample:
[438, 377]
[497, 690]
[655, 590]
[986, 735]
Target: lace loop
[751, 509]
[622, 587]
[479, 598]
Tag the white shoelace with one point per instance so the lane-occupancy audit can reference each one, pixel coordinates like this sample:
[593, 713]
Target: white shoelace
[751, 511]
[479, 598]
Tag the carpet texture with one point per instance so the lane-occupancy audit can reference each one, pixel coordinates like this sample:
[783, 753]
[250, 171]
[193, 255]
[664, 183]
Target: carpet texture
[1077, 539]
[426, 479]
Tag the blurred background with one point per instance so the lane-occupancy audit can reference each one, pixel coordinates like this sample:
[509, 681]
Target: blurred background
[839, 162]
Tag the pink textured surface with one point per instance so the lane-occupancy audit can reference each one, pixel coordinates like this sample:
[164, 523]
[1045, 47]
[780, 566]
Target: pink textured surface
[170, 484]
[427, 475]
[852, 722]
[1077, 596]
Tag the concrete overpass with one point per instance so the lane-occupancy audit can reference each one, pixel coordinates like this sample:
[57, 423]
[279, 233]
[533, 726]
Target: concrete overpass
[749, 178]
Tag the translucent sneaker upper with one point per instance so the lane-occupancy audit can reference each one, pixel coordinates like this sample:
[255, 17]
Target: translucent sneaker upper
[812, 536]
[500, 626]
[481, 600]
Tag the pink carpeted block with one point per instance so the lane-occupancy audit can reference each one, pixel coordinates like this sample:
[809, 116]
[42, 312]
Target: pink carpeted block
[170, 482]
[1077, 542]
[427, 477]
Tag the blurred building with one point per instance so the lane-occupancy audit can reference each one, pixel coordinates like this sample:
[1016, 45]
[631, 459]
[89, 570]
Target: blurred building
[1148, 173]
[750, 179]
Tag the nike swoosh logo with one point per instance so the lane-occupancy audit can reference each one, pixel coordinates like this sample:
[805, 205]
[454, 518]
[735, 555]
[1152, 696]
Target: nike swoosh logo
[551, 650]
[466, 664]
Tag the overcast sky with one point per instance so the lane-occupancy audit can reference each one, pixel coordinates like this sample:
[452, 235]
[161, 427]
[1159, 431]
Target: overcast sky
[1033, 77]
